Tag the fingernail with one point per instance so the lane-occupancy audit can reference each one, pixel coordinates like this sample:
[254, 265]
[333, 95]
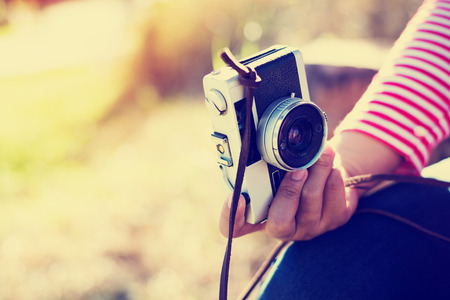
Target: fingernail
[299, 175]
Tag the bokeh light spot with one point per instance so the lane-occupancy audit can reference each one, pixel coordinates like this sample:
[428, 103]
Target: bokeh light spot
[253, 31]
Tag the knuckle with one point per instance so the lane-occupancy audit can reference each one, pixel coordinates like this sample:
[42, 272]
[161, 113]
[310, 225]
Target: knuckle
[334, 180]
[289, 191]
[311, 191]
[308, 222]
[309, 226]
[280, 229]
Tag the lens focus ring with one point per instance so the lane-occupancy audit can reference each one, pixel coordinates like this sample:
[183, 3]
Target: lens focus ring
[291, 133]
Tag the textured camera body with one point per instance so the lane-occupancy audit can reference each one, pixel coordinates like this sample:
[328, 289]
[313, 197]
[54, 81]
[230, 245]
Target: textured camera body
[288, 130]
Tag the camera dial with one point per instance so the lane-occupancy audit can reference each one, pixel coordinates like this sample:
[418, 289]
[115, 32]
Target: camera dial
[217, 102]
[291, 133]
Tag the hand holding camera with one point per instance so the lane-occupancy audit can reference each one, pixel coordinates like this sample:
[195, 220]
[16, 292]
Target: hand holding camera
[307, 204]
[289, 134]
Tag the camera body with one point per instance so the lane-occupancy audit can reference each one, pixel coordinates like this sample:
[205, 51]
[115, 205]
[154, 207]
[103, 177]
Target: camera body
[288, 130]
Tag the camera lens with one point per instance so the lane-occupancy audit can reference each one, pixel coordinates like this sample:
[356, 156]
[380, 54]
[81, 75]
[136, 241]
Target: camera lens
[295, 136]
[299, 136]
[291, 133]
[299, 143]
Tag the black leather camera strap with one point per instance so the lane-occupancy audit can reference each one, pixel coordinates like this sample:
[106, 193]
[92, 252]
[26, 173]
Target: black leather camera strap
[250, 79]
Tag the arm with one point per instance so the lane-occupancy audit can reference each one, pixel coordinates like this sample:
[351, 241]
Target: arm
[406, 107]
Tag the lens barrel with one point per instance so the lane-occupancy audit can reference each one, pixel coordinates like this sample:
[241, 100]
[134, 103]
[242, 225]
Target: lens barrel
[291, 133]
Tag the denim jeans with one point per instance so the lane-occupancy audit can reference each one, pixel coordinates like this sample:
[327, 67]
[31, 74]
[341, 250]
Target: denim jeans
[372, 256]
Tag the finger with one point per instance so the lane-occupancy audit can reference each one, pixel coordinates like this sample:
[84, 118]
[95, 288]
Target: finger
[334, 211]
[281, 221]
[312, 194]
[352, 197]
[240, 226]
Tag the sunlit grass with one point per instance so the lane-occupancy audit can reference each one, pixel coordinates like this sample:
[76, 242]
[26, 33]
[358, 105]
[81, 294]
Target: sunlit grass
[47, 118]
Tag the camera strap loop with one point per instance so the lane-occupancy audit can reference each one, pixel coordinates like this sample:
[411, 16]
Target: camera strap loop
[247, 75]
[250, 79]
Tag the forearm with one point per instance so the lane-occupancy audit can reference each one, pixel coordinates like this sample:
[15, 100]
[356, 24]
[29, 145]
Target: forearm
[405, 111]
[359, 154]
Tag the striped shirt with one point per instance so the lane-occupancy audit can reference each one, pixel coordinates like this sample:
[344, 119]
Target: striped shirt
[407, 105]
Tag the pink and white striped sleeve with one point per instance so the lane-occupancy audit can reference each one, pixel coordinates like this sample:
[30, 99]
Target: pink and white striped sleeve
[407, 105]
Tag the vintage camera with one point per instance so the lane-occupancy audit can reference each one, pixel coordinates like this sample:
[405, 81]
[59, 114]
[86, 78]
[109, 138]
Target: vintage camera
[288, 130]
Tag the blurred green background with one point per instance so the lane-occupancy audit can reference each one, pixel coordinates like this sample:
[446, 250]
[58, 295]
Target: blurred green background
[108, 182]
